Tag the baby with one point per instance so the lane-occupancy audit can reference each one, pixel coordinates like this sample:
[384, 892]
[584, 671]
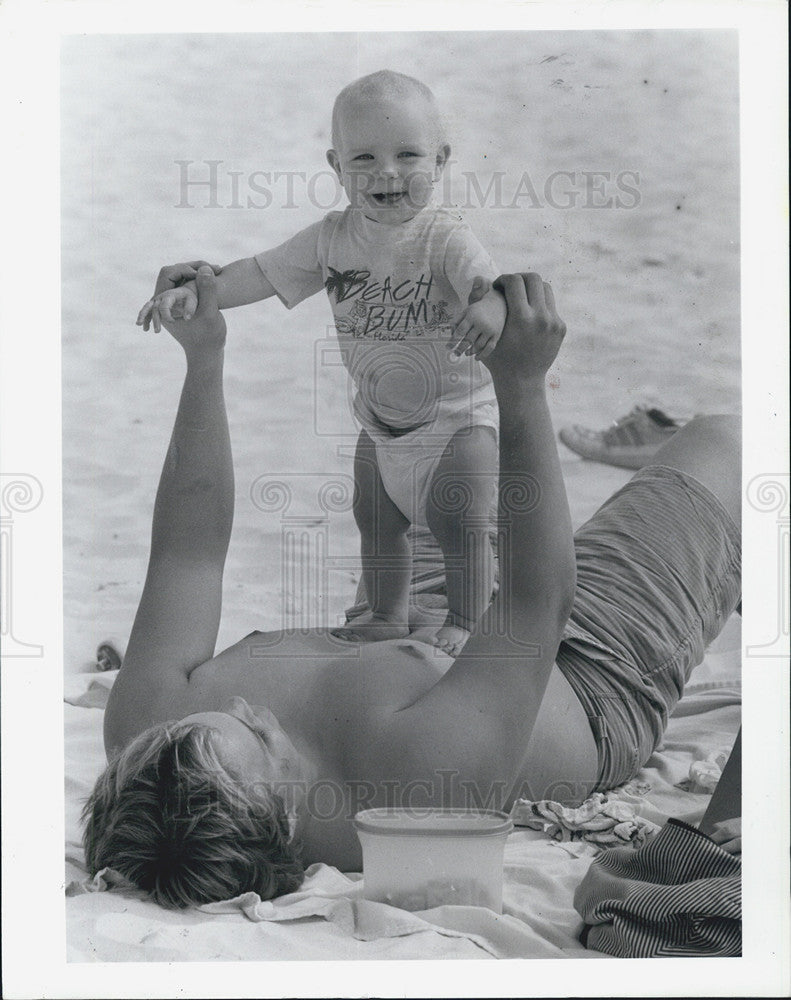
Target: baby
[399, 273]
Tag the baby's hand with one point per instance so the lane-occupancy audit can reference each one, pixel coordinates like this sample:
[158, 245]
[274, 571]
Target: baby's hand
[173, 304]
[480, 326]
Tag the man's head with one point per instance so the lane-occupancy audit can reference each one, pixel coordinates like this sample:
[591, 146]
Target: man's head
[170, 816]
[389, 145]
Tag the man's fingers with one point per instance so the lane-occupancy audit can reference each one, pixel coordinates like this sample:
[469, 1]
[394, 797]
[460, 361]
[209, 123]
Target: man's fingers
[207, 289]
[549, 297]
[535, 290]
[156, 318]
[727, 841]
[176, 274]
[196, 264]
[513, 286]
[173, 276]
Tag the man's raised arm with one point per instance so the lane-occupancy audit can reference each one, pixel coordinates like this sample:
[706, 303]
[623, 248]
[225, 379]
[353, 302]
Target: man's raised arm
[477, 720]
[176, 625]
[538, 567]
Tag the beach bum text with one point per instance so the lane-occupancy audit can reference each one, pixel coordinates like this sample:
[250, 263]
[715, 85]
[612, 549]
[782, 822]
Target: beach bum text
[213, 184]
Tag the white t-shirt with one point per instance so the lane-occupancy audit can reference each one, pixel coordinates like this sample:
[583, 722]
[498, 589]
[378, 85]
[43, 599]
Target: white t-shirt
[395, 293]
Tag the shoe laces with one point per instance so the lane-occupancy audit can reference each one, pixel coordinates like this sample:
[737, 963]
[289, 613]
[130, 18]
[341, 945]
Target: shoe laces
[626, 430]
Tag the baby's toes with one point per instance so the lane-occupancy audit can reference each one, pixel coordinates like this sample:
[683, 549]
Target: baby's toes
[442, 645]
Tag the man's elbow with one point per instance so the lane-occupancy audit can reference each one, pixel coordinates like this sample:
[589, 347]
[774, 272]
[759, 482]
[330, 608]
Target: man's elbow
[564, 600]
[567, 592]
[558, 608]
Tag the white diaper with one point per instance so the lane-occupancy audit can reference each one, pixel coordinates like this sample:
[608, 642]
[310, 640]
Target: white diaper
[407, 462]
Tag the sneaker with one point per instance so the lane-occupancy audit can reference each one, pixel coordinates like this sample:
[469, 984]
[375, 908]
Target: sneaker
[629, 443]
[109, 655]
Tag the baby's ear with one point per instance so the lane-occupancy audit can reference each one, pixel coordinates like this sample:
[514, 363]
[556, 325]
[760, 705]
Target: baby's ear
[334, 161]
[443, 155]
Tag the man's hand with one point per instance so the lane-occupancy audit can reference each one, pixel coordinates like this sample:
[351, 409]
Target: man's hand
[181, 306]
[533, 331]
[205, 332]
[728, 834]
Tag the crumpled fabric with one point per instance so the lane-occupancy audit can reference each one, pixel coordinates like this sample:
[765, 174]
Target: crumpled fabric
[678, 896]
[104, 880]
[705, 774]
[605, 818]
[338, 899]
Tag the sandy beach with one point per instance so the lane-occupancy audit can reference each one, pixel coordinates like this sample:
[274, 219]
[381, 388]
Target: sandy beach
[644, 262]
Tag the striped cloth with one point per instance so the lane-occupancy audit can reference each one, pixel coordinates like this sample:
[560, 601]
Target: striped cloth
[679, 896]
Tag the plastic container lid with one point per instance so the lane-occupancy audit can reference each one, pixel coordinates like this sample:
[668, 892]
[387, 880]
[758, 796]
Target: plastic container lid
[434, 822]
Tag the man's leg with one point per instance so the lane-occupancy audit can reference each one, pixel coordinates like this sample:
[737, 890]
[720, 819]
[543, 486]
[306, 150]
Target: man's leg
[709, 450]
[657, 578]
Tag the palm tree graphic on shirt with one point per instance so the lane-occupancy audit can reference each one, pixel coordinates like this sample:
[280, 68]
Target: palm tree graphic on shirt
[341, 284]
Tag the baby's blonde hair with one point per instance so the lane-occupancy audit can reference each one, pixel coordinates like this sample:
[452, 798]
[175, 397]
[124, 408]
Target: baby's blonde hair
[388, 84]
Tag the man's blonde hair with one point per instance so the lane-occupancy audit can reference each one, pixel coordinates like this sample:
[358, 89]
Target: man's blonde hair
[168, 817]
[388, 84]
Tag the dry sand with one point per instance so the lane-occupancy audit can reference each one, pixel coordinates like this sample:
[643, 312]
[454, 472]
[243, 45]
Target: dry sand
[649, 293]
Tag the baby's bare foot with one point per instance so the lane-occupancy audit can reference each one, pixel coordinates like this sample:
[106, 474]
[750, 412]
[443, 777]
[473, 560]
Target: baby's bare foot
[451, 639]
[371, 627]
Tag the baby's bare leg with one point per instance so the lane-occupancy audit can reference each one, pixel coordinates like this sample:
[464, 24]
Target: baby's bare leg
[458, 514]
[386, 557]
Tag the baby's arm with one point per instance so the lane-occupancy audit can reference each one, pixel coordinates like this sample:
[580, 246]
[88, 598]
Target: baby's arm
[481, 324]
[238, 284]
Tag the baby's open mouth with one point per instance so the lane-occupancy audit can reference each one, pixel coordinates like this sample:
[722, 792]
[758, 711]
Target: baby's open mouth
[389, 197]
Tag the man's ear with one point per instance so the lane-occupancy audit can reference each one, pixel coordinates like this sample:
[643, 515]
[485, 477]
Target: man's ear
[335, 162]
[443, 155]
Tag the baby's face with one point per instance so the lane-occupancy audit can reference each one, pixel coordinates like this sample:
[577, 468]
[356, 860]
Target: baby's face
[389, 157]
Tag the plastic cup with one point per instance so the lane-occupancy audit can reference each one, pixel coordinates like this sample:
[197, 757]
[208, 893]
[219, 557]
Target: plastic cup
[420, 858]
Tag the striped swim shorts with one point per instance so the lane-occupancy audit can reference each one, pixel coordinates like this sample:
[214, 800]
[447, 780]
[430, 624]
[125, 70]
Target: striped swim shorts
[658, 575]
